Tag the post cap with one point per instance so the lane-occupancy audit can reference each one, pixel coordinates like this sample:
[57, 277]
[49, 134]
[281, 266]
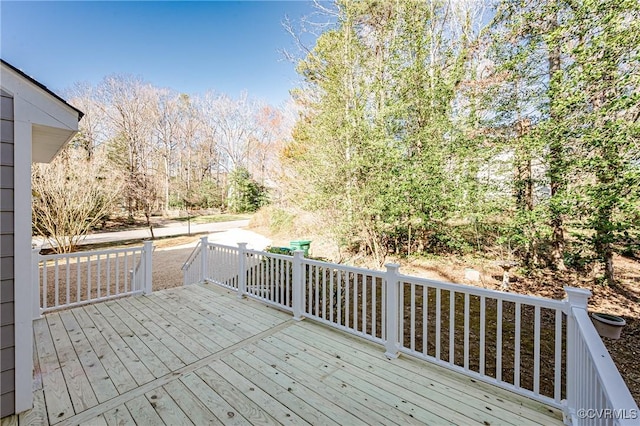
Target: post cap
[392, 267]
[577, 296]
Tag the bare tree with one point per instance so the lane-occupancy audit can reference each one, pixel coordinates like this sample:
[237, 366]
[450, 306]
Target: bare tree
[128, 104]
[167, 135]
[235, 121]
[169, 146]
[71, 196]
[93, 128]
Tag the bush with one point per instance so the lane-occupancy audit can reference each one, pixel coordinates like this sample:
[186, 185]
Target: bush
[245, 194]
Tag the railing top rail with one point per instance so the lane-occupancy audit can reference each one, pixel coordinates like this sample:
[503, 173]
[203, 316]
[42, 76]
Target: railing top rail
[226, 246]
[271, 255]
[141, 259]
[347, 268]
[90, 301]
[91, 253]
[191, 256]
[493, 294]
[612, 383]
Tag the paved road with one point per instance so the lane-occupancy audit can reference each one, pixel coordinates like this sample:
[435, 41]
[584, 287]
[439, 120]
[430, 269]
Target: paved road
[170, 229]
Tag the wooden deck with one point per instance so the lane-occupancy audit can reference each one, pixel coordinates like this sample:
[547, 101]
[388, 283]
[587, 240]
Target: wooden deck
[198, 355]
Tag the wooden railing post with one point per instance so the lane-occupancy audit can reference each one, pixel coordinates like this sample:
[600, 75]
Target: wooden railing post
[576, 298]
[147, 252]
[242, 270]
[297, 285]
[392, 310]
[204, 248]
[35, 283]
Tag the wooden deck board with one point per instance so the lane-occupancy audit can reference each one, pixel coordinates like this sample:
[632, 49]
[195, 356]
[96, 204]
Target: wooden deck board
[117, 372]
[179, 327]
[78, 386]
[464, 390]
[168, 358]
[197, 411]
[216, 403]
[229, 328]
[100, 381]
[305, 405]
[269, 403]
[133, 341]
[342, 404]
[37, 375]
[167, 408]
[176, 334]
[57, 399]
[214, 359]
[246, 308]
[323, 408]
[183, 308]
[142, 411]
[248, 322]
[245, 406]
[118, 416]
[183, 322]
[96, 421]
[130, 360]
[37, 415]
[426, 392]
[406, 400]
[166, 339]
[9, 421]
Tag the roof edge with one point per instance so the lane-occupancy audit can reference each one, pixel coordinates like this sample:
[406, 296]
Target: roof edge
[43, 87]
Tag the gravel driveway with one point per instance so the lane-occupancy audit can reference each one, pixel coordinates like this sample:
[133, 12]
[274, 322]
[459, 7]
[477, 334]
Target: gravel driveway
[167, 268]
[167, 263]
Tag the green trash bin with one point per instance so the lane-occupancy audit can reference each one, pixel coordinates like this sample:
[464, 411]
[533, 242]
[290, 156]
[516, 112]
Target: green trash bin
[301, 245]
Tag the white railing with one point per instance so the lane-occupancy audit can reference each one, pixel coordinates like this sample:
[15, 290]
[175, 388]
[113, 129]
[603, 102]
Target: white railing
[492, 336]
[596, 394]
[544, 349]
[221, 265]
[351, 299]
[73, 279]
[269, 277]
[191, 269]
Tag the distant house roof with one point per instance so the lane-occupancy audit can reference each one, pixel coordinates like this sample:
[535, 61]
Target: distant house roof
[43, 87]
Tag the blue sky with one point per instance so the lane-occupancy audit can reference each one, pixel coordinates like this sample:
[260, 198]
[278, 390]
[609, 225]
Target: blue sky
[192, 47]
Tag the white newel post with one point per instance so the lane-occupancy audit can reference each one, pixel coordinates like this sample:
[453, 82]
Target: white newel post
[204, 249]
[576, 299]
[297, 287]
[148, 267]
[392, 291]
[35, 283]
[242, 270]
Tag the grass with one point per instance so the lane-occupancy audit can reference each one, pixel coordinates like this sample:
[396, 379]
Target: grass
[213, 218]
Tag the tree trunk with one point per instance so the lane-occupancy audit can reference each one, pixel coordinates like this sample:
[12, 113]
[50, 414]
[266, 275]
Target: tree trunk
[556, 162]
[166, 183]
[147, 215]
[524, 189]
[609, 276]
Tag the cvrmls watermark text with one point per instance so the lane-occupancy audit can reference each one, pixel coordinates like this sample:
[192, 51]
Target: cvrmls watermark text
[608, 413]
